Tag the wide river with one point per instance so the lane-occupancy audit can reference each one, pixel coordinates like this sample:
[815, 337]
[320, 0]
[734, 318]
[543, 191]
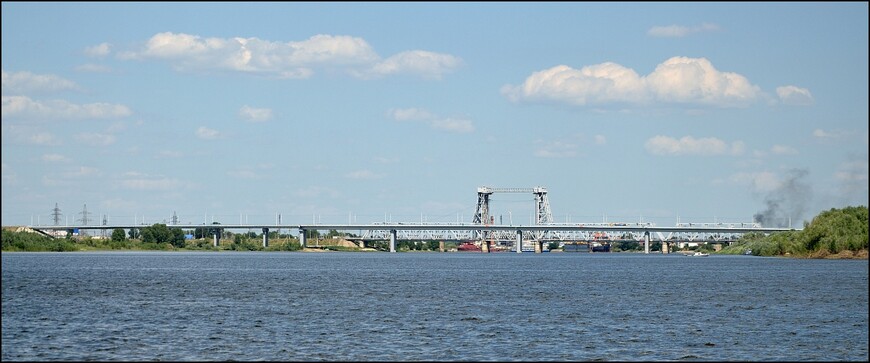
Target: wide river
[431, 306]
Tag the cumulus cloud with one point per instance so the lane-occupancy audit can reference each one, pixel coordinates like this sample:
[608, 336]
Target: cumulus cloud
[689, 145]
[678, 80]
[792, 95]
[206, 133]
[294, 59]
[450, 124]
[99, 50]
[23, 106]
[556, 149]
[822, 134]
[783, 150]
[679, 31]
[251, 114]
[26, 82]
[426, 64]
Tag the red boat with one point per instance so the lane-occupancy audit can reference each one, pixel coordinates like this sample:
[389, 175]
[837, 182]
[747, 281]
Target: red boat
[468, 247]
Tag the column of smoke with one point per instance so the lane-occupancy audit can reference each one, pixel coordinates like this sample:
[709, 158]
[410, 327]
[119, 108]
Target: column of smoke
[786, 204]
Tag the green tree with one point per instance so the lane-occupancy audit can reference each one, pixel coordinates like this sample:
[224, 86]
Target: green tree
[160, 233]
[134, 233]
[118, 234]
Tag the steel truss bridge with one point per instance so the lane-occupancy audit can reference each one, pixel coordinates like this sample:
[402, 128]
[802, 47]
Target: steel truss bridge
[484, 231]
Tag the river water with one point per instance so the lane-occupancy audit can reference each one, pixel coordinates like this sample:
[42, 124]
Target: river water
[430, 306]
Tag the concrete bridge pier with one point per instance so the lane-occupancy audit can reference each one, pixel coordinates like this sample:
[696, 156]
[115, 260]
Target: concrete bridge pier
[302, 237]
[362, 244]
[215, 239]
[392, 240]
[519, 242]
[666, 248]
[539, 246]
[441, 246]
[265, 237]
[646, 242]
[484, 246]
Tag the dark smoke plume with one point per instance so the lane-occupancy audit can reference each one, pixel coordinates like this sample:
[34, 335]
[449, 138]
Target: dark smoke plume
[786, 203]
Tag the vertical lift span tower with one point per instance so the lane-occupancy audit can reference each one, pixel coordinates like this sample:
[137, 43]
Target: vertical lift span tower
[543, 214]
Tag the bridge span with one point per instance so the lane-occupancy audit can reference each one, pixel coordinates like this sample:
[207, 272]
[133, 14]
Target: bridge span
[520, 234]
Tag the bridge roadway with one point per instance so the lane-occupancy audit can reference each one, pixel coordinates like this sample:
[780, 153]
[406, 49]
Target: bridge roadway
[471, 230]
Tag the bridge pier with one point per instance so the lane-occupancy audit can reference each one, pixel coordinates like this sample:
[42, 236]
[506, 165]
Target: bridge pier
[265, 237]
[215, 239]
[484, 246]
[539, 246]
[666, 248]
[392, 240]
[441, 246]
[646, 242]
[519, 243]
[362, 244]
[302, 237]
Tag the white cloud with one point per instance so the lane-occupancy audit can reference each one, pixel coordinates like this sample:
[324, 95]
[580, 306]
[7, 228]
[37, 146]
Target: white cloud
[822, 134]
[426, 64]
[255, 114]
[206, 133]
[22, 106]
[451, 124]
[363, 174]
[410, 114]
[688, 145]
[54, 158]
[26, 82]
[93, 68]
[678, 80]
[95, 139]
[600, 140]
[853, 172]
[99, 50]
[42, 138]
[678, 31]
[792, 95]
[293, 60]
[556, 149]
[783, 150]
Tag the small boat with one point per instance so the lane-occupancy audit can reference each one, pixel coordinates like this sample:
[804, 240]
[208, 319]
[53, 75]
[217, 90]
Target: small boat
[699, 254]
[469, 247]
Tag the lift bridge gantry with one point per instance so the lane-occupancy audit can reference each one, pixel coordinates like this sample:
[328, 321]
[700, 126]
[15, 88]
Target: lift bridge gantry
[543, 214]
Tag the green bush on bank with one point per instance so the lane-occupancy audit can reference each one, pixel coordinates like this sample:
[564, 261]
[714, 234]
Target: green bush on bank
[25, 241]
[831, 232]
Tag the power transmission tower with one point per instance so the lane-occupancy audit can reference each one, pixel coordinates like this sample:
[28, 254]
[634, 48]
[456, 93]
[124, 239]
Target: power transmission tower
[55, 213]
[84, 219]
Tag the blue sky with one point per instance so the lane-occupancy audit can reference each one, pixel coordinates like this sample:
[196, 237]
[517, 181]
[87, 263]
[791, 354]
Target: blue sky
[365, 112]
